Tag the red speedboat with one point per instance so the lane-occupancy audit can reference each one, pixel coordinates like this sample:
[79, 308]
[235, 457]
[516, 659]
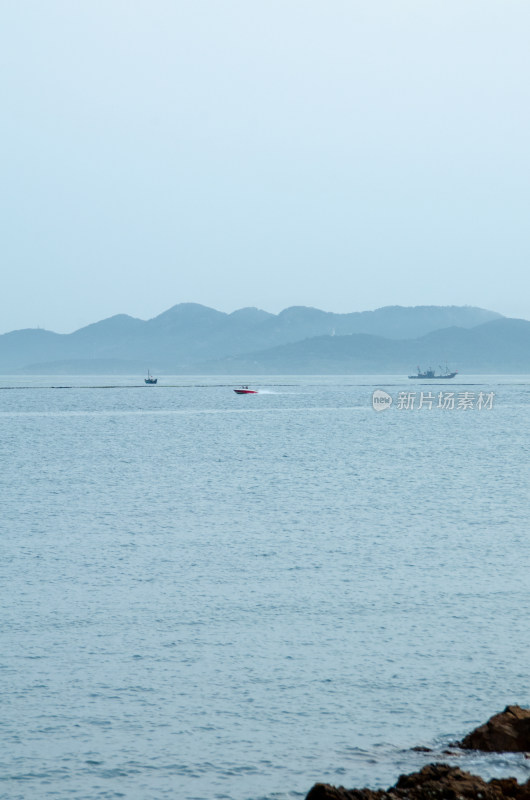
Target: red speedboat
[245, 390]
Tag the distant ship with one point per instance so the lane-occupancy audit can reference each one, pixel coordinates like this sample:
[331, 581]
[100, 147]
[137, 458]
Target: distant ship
[430, 375]
[150, 379]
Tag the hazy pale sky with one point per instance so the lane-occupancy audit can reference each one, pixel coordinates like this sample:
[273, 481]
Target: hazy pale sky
[334, 153]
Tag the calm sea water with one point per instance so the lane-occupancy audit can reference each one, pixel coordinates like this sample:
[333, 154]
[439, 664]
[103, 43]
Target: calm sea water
[210, 596]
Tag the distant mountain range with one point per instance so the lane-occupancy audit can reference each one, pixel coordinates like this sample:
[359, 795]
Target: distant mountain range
[194, 339]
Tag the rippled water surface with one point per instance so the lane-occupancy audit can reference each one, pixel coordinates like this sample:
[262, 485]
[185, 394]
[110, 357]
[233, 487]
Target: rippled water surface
[212, 596]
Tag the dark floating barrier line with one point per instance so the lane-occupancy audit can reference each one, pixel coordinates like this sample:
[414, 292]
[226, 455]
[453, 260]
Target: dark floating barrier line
[141, 386]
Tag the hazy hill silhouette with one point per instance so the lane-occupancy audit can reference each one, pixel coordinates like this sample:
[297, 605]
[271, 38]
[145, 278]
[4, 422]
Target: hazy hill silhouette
[499, 346]
[191, 338]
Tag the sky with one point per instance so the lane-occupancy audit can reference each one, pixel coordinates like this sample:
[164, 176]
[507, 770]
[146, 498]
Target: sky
[342, 154]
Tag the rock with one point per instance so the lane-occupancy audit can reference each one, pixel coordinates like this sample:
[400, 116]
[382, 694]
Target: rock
[508, 731]
[433, 782]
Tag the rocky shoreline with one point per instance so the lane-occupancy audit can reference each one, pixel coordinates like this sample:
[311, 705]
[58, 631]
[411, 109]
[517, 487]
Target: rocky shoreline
[508, 731]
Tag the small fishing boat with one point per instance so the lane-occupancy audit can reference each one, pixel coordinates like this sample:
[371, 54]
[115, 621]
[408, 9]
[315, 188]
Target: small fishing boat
[150, 380]
[245, 390]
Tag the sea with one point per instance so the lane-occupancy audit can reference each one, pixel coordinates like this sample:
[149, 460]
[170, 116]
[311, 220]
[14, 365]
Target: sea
[211, 596]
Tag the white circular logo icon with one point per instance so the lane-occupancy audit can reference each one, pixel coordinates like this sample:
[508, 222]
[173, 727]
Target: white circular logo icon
[381, 400]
